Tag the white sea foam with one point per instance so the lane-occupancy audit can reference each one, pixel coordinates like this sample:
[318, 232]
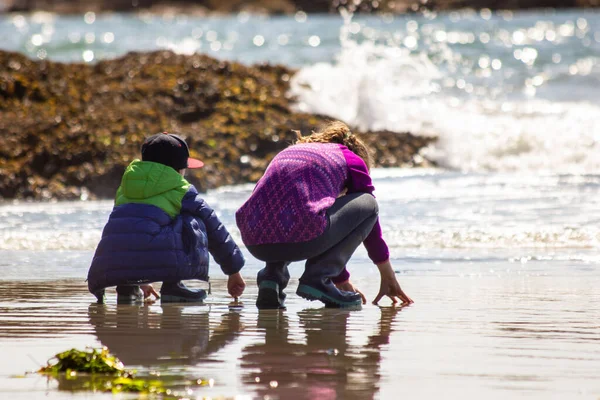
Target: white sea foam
[43, 240]
[487, 238]
[397, 236]
[52, 226]
[420, 209]
[376, 87]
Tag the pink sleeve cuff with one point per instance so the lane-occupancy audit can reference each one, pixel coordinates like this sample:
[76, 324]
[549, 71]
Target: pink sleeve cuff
[342, 277]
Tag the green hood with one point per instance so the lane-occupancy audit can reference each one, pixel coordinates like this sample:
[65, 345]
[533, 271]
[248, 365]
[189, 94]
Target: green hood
[152, 183]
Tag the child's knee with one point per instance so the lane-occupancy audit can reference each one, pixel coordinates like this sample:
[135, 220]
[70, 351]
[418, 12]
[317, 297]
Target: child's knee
[370, 204]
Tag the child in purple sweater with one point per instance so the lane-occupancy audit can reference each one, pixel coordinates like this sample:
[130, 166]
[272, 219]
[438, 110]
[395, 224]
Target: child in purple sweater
[315, 203]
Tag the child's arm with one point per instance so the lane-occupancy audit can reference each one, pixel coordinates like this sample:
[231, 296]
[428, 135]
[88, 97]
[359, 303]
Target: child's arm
[359, 181]
[220, 243]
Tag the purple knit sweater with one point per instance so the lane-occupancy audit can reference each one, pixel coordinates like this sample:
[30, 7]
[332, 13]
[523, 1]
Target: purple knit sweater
[289, 203]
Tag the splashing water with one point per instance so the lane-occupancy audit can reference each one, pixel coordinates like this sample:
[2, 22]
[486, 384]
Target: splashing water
[492, 108]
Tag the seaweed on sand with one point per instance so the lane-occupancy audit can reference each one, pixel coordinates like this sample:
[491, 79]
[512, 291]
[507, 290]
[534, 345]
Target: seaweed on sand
[92, 361]
[97, 370]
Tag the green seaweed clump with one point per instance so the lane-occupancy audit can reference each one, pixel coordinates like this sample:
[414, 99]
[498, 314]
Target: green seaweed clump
[96, 370]
[91, 361]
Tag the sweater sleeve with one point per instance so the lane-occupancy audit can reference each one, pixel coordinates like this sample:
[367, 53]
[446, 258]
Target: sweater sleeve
[220, 243]
[359, 181]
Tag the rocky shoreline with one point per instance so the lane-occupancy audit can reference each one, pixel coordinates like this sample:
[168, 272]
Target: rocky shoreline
[69, 130]
[278, 6]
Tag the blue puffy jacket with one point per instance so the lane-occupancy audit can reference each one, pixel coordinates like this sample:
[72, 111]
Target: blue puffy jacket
[160, 230]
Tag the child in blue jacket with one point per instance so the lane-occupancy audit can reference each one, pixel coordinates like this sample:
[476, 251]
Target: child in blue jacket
[161, 230]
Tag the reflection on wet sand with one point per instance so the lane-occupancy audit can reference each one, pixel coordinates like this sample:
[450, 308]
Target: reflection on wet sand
[276, 363]
[138, 335]
[498, 337]
[325, 367]
[34, 309]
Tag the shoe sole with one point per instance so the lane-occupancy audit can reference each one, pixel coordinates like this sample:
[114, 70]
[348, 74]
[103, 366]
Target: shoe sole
[167, 298]
[268, 296]
[310, 293]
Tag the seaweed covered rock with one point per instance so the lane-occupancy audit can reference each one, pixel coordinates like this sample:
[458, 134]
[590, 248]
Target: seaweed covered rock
[69, 130]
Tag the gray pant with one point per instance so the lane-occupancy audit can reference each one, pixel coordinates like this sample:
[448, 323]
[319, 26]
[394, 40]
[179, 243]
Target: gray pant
[351, 219]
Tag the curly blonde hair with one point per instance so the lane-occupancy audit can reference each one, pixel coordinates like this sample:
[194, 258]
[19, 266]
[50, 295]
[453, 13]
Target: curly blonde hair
[338, 132]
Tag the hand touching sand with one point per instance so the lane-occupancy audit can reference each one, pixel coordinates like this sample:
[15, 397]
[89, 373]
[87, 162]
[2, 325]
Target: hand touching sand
[148, 291]
[390, 286]
[236, 285]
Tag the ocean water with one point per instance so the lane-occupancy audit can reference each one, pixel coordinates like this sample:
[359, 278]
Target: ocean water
[498, 247]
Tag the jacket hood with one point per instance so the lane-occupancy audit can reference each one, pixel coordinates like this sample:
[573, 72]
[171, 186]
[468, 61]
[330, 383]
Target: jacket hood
[152, 183]
[145, 179]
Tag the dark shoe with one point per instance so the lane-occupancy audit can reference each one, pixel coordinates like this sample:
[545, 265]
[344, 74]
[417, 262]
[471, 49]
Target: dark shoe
[100, 296]
[177, 292]
[327, 293]
[129, 294]
[270, 297]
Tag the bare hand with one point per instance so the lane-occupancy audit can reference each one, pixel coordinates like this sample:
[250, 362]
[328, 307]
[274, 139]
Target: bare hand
[148, 291]
[390, 287]
[236, 285]
[349, 287]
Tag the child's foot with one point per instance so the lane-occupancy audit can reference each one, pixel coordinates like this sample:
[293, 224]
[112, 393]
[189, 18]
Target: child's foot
[327, 293]
[270, 297]
[177, 292]
[129, 294]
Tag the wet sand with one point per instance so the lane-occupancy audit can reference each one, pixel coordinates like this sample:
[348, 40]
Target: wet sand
[492, 337]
